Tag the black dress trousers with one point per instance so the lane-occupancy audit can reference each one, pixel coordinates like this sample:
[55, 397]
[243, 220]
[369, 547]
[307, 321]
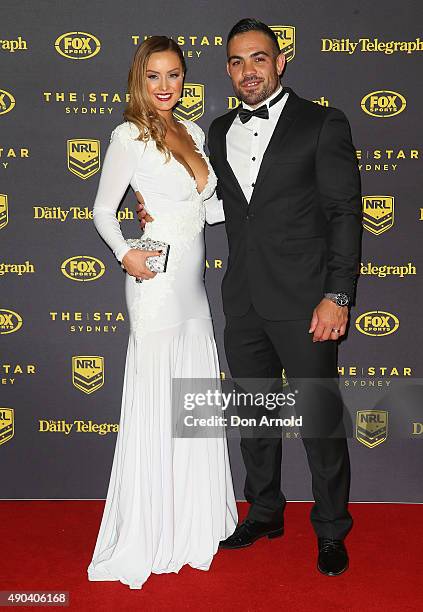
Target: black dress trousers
[259, 348]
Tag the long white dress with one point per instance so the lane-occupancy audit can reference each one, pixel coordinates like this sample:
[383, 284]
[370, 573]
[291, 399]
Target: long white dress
[170, 500]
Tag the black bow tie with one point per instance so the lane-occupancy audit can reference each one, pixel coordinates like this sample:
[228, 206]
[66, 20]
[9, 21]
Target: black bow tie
[262, 112]
[245, 114]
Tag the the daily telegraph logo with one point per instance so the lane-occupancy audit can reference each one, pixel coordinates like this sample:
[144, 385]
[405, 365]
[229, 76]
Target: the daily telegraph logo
[234, 102]
[87, 372]
[191, 105]
[83, 268]
[12, 45]
[77, 45]
[77, 426]
[370, 45]
[378, 213]
[83, 156]
[74, 213]
[377, 323]
[7, 102]
[286, 40]
[322, 101]
[16, 268]
[4, 208]
[371, 427]
[7, 424]
[10, 321]
[381, 271]
[383, 103]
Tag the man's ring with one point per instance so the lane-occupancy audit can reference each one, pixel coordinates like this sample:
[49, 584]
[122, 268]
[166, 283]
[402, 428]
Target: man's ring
[336, 330]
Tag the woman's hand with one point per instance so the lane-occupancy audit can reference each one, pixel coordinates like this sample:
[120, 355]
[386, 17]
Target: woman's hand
[142, 214]
[134, 263]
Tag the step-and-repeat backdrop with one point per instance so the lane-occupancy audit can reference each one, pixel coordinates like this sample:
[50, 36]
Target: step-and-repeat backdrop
[63, 320]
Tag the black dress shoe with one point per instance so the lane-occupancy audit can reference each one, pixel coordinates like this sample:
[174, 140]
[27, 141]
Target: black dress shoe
[333, 557]
[249, 531]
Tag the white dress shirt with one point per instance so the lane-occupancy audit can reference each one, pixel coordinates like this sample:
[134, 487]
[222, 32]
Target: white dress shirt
[247, 142]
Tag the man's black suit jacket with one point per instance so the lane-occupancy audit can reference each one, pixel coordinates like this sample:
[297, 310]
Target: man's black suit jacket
[300, 235]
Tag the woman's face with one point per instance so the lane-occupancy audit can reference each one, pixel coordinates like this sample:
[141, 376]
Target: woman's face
[165, 79]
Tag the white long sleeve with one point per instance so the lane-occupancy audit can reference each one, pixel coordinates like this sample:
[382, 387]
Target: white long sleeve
[118, 169]
[214, 210]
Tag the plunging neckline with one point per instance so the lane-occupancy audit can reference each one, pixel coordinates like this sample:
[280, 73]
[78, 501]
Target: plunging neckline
[193, 179]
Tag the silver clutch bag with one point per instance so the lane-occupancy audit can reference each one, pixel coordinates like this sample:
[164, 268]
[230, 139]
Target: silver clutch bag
[158, 263]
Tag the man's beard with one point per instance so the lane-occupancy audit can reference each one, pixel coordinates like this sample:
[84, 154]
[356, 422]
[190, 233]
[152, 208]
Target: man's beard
[256, 97]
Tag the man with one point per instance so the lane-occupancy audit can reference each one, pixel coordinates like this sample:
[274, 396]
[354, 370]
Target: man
[289, 181]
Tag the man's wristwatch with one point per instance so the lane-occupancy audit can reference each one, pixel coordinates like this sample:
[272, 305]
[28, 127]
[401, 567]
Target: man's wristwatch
[340, 299]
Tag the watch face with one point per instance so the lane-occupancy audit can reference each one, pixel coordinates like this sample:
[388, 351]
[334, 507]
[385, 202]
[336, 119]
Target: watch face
[342, 299]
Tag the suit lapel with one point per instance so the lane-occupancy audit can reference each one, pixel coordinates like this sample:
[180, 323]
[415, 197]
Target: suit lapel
[226, 124]
[282, 127]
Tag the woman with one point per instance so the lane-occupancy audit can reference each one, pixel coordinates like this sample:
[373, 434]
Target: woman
[170, 499]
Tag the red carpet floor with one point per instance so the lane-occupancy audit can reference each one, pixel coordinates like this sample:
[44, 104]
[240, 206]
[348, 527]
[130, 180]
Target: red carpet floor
[47, 545]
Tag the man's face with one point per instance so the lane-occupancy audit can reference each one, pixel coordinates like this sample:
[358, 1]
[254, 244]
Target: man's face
[254, 66]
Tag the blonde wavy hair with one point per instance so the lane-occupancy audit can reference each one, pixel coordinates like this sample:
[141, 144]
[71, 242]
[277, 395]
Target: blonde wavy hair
[140, 109]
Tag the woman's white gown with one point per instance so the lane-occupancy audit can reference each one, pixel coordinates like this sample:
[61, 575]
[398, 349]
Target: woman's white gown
[170, 500]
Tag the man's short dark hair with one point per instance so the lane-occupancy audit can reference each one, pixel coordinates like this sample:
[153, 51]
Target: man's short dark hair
[251, 25]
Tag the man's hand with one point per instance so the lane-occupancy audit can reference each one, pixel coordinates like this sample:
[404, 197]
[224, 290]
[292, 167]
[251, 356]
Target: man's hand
[134, 263]
[327, 316]
[142, 214]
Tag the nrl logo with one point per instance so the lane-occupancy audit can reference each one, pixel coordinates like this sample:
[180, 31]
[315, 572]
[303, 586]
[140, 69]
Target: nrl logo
[286, 40]
[4, 218]
[83, 157]
[7, 421]
[7, 102]
[191, 105]
[371, 427]
[378, 213]
[87, 373]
